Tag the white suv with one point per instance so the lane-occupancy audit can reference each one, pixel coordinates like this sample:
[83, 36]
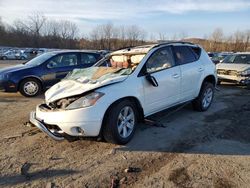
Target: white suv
[110, 98]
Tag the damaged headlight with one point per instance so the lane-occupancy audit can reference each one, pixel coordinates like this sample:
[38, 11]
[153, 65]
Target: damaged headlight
[87, 100]
[245, 72]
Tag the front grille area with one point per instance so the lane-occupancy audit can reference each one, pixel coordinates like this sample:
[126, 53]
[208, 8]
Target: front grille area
[227, 72]
[54, 127]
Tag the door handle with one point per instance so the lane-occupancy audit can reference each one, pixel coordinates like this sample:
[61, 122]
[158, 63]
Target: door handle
[200, 69]
[175, 75]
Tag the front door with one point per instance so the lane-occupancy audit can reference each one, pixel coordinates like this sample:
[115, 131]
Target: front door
[161, 66]
[59, 66]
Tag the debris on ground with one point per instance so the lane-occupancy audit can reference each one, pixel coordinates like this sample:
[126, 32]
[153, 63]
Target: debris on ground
[13, 136]
[123, 180]
[24, 170]
[114, 182]
[28, 124]
[132, 169]
[49, 185]
[113, 151]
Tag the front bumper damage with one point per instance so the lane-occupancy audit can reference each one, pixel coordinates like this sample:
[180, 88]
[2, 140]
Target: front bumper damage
[40, 125]
[241, 80]
[66, 124]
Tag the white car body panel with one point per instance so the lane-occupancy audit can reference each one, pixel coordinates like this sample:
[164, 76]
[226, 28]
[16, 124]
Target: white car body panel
[167, 93]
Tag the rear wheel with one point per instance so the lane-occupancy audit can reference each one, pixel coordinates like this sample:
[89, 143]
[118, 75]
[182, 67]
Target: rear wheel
[30, 87]
[205, 98]
[4, 58]
[120, 123]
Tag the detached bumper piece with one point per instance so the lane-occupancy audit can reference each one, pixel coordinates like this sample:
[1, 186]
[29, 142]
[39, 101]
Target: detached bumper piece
[40, 125]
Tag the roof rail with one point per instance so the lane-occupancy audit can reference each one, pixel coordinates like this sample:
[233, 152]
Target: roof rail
[173, 42]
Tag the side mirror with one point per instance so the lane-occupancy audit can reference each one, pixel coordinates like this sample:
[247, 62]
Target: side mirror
[152, 80]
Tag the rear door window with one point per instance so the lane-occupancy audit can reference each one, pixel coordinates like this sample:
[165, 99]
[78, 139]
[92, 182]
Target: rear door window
[184, 55]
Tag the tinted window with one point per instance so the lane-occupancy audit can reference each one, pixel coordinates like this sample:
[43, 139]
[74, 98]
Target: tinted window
[244, 59]
[229, 59]
[88, 58]
[196, 51]
[238, 59]
[63, 60]
[184, 54]
[161, 59]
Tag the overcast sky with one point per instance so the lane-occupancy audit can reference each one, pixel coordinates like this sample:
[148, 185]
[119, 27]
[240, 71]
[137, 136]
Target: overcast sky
[195, 18]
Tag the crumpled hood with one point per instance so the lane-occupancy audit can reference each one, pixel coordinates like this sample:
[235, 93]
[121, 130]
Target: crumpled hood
[68, 88]
[231, 66]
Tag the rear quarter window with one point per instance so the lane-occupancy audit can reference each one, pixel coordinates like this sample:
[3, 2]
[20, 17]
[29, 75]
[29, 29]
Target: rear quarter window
[196, 51]
[184, 54]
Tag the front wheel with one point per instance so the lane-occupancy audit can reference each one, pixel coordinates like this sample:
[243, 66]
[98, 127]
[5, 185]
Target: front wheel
[120, 123]
[205, 98]
[30, 87]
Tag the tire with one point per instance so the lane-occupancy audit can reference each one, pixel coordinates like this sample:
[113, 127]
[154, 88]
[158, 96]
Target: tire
[115, 118]
[30, 87]
[205, 98]
[22, 58]
[4, 58]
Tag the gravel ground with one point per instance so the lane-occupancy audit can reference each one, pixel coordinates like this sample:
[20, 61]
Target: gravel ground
[194, 149]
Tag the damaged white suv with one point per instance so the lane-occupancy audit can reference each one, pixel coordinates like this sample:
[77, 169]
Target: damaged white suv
[110, 98]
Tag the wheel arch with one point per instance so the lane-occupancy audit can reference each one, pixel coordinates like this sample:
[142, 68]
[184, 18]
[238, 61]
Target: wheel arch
[130, 98]
[33, 77]
[210, 78]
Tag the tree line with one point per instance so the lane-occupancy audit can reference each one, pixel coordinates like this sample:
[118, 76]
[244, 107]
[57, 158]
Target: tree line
[239, 41]
[37, 31]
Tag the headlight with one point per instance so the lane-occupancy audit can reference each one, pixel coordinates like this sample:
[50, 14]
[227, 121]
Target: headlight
[83, 102]
[245, 72]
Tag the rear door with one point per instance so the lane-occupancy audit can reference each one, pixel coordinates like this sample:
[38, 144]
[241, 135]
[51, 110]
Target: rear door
[162, 67]
[191, 68]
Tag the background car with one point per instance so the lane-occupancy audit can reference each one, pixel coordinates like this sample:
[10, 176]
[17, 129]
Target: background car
[218, 57]
[13, 55]
[235, 69]
[44, 71]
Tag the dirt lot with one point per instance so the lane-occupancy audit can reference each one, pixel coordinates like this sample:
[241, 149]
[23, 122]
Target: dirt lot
[210, 149]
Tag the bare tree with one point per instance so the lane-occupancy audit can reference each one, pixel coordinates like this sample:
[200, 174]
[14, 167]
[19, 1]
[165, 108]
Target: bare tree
[68, 29]
[217, 38]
